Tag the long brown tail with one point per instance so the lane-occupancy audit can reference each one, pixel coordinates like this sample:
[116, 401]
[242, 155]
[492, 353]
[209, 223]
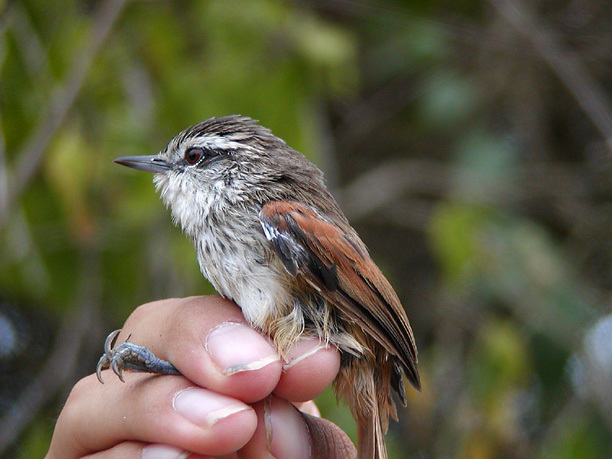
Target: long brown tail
[371, 443]
[366, 388]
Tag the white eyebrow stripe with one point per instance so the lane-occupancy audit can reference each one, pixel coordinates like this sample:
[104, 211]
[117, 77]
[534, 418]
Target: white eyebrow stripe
[215, 142]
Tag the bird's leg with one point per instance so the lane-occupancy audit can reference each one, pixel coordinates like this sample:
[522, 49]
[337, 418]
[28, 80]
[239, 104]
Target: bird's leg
[128, 356]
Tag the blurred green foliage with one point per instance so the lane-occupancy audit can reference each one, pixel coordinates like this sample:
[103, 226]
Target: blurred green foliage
[487, 197]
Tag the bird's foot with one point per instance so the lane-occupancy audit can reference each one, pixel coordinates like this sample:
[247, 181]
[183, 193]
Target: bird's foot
[128, 356]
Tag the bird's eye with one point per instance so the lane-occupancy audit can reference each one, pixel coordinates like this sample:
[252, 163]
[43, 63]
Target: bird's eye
[194, 154]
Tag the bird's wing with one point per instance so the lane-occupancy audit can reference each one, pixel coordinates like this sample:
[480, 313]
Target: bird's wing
[329, 260]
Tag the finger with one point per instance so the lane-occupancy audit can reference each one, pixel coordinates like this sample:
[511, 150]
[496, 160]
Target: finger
[281, 432]
[149, 408]
[139, 450]
[309, 407]
[328, 440]
[311, 367]
[128, 450]
[208, 340]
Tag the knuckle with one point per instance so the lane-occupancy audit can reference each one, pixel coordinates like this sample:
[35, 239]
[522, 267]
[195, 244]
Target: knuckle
[82, 389]
[143, 310]
[73, 409]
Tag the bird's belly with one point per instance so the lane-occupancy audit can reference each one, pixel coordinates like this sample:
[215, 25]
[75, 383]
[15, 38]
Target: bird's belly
[260, 289]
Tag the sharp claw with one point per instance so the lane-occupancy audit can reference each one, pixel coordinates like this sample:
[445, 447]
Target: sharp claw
[110, 340]
[118, 371]
[106, 358]
[131, 357]
[102, 364]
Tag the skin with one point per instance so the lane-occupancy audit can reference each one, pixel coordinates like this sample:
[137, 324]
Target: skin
[149, 414]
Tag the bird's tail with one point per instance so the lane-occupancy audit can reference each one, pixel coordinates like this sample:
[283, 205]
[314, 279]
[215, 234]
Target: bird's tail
[367, 392]
[371, 435]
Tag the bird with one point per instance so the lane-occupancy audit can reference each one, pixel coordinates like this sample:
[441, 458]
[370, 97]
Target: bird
[269, 236]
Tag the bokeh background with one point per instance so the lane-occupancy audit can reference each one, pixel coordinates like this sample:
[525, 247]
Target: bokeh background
[469, 143]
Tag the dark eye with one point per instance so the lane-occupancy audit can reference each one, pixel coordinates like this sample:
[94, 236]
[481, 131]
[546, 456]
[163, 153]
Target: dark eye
[194, 154]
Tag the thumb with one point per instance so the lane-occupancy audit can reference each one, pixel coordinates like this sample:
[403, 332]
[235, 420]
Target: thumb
[328, 440]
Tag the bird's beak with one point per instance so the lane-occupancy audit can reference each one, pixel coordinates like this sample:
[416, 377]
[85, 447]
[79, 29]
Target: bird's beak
[145, 163]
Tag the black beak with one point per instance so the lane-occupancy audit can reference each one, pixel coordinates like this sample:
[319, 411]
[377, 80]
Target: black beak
[145, 163]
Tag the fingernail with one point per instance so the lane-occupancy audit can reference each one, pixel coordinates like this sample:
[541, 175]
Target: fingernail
[303, 349]
[288, 431]
[204, 407]
[163, 452]
[235, 347]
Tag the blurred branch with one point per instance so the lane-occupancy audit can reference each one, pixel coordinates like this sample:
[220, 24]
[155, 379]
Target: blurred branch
[568, 66]
[30, 44]
[4, 186]
[463, 31]
[385, 184]
[29, 158]
[330, 155]
[60, 367]
[369, 113]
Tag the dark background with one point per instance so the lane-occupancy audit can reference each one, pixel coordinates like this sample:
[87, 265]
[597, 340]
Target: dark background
[469, 143]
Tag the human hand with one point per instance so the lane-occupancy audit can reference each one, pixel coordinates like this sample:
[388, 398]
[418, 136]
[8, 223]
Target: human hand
[216, 407]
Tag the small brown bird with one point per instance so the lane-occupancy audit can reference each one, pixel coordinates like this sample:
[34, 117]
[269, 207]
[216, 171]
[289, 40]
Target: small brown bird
[269, 236]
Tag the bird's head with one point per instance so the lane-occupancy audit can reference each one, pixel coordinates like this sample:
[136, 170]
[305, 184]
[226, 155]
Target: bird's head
[225, 165]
